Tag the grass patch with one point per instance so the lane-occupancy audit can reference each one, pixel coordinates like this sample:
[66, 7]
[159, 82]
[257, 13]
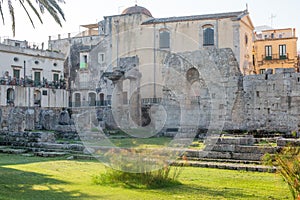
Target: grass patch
[33, 178]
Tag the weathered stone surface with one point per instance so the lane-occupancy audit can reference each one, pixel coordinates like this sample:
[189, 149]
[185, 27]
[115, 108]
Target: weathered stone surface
[65, 128]
[285, 142]
[64, 118]
[16, 120]
[48, 119]
[24, 138]
[29, 120]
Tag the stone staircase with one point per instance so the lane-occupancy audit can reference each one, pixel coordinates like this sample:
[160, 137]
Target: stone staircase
[235, 153]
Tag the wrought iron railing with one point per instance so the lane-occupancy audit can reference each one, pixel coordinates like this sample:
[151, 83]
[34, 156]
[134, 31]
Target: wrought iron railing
[275, 57]
[90, 103]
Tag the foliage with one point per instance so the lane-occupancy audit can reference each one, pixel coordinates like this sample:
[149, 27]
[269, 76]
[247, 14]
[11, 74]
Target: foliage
[165, 177]
[139, 169]
[288, 163]
[49, 5]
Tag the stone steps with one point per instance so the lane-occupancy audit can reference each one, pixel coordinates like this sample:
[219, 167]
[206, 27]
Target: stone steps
[230, 166]
[224, 160]
[13, 151]
[50, 154]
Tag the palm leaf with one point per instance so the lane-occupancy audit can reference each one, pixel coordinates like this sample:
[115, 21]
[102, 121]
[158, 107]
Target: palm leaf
[1, 2]
[12, 14]
[34, 10]
[45, 4]
[57, 7]
[22, 3]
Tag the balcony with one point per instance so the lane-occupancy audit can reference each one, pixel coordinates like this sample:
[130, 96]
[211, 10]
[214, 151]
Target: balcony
[60, 84]
[84, 85]
[101, 103]
[275, 57]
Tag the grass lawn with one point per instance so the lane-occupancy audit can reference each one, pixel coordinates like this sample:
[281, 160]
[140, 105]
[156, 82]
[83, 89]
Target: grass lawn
[43, 178]
[142, 143]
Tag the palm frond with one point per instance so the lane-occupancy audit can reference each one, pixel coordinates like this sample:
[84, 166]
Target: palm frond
[12, 14]
[1, 11]
[22, 3]
[45, 4]
[57, 7]
[34, 10]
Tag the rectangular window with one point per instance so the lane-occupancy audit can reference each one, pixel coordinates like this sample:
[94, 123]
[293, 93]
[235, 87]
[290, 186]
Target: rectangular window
[164, 39]
[37, 78]
[125, 98]
[282, 51]
[55, 77]
[101, 58]
[16, 73]
[262, 71]
[84, 62]
[268, 52]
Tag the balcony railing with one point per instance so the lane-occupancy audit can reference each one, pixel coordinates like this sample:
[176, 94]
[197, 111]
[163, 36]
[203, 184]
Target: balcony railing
[90, 103]
[275, 57]
[146, 101]
[84, 85]
[60, 84]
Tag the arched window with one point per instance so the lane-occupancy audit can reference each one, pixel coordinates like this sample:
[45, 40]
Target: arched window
[10, 96]
[164, 39]
[92, 99]
[101, 99]
[208, 36]
[77, 100]
[37, 98]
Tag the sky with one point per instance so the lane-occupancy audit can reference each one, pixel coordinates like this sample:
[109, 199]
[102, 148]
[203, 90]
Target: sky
[285, 14]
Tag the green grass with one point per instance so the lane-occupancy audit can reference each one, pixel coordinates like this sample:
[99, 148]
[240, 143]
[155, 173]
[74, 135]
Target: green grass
[33, 178]
[135, 142]
[143, 143]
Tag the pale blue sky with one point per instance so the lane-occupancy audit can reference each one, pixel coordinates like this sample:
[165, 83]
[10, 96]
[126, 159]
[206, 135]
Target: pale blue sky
[90, 11]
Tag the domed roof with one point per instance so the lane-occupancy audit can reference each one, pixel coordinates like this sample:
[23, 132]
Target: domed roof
[136, 10]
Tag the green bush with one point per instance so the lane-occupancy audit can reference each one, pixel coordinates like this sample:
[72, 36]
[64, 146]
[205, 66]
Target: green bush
[131, 168]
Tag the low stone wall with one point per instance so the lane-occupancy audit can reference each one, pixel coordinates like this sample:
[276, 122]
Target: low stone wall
[281, 142]
[24, 138]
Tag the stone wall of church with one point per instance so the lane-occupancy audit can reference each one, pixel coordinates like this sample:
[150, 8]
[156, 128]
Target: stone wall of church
[224, 99]
[272, 101]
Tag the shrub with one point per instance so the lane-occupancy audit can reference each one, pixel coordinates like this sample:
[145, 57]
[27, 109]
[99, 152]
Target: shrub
[131, 168]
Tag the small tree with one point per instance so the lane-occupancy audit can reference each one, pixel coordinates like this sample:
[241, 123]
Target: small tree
[287, 162]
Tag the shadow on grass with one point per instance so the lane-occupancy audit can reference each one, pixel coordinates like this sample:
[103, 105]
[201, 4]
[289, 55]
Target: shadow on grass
[201, 191]
[18, 184]
[12, 159]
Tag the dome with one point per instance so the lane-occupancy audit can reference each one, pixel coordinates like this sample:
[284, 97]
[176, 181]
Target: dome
[137, 10]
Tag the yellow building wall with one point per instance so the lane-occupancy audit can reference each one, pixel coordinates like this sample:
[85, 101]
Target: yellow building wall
[261, 63]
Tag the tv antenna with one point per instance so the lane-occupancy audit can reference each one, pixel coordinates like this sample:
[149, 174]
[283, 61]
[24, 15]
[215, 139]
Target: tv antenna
[272, 17]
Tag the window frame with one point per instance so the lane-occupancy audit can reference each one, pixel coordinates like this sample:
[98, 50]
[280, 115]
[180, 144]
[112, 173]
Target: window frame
[268, 52]
[282, 51]
[164, 39]
[208, 35]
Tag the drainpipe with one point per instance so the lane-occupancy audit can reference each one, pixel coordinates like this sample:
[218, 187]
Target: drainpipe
[217, 33]
[154, 60]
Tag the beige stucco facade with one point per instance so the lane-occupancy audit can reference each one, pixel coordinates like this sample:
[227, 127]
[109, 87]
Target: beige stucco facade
[138, 34]
[274, 49]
